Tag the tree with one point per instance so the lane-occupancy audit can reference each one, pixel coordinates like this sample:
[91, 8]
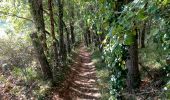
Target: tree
[40, 46]
[38, 18]
[60, 23]
[72, 22]
[111, 16]
[133, 76]
[47, 73]
[54, 43]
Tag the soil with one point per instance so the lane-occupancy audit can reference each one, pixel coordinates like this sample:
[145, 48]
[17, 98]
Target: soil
[81, 84]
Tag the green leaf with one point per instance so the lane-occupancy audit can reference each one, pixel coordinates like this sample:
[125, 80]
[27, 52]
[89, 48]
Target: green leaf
[165, 2]
[152, 8]
[154, 31]
[166, 37]
[101, 1]
[141, 15]
[129, 39]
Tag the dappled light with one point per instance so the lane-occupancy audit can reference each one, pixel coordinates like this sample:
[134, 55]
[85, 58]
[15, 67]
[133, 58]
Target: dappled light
[82, 84]
[84, 49]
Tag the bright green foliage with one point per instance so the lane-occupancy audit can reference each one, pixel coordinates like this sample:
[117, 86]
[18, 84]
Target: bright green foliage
[16, 12]
[121, 27]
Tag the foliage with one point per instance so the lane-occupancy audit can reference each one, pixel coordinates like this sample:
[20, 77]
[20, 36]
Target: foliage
[118, 22]
[116, 65]
[120, 26]
[23, 74]
[16, 51]
[19, 18]
[102, 74]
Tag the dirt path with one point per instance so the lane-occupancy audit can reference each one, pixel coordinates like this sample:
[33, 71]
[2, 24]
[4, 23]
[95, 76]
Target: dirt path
[82, 80]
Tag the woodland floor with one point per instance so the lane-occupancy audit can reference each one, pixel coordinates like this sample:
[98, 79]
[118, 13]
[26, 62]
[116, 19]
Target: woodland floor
[81, 84]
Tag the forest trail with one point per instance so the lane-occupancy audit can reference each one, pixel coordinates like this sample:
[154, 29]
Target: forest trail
[82, 83]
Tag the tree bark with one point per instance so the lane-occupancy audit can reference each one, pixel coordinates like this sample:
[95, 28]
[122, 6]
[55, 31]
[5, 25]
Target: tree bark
[86, 38]
[143, 36]
[133, 76]
[39, 39]
[47, 73]
[55, 50]
[88, 35]
[72, 23]
[144, 30]
[38, 19]
[60, 23]
[68, 43]
[68, 37]
[53, 31]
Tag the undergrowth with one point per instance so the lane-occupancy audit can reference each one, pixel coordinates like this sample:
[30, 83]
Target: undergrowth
[102, 74]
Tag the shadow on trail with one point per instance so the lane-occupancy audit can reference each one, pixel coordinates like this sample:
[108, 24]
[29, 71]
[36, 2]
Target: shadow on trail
[82, 85]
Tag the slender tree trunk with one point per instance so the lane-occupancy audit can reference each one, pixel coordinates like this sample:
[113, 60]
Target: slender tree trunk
[60, 23]
[72, 32]
[133, 76]
[52, 30]
[55, 50]
[143, 36]
[144, 30]
[47, 74]
[51, 19]
[68, 43]
[68, 38]
[72, 23]
[86, 38]
[88, 35]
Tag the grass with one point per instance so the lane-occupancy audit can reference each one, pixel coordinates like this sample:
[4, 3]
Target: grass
[25, 83]
[102, 74]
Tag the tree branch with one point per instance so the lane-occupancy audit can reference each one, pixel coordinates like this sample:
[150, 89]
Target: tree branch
[14, 15]
[66, 29]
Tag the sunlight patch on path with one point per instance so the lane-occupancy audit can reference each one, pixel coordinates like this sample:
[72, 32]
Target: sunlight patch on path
[82, 84]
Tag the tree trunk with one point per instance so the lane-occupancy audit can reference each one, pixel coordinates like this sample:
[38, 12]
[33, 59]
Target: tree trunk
[53, 31]
[47, 74]
[143, 36]
[37, 14]
[72, 32]
[88, 35]
[60, 23]
[133, 76]
[72, 23]
[68, 43]
[68, 38]
[55, 50]
[86, 38]
[40, 45]
[144, 30]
